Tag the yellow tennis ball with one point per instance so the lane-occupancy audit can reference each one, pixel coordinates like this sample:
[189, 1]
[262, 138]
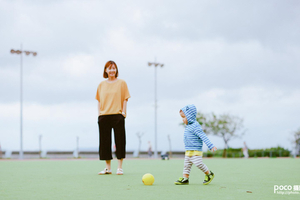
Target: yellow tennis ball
[148, 179]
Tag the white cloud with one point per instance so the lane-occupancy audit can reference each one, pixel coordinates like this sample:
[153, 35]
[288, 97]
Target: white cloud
[78, 65]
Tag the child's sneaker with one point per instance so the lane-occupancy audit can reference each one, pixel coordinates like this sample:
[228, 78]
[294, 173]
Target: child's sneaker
[119, 171]
[105, 171]
[182, 181]
[208, 178]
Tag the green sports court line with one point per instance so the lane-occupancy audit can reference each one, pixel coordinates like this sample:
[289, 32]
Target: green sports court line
[78, 179]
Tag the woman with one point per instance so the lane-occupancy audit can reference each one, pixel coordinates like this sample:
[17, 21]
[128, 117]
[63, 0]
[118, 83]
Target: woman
[112, 96]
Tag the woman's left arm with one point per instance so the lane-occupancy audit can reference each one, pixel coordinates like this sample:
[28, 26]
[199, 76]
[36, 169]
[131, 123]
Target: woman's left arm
[126, 96]
[124, 107]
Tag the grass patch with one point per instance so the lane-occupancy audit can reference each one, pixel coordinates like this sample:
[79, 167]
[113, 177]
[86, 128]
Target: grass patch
[78, 179]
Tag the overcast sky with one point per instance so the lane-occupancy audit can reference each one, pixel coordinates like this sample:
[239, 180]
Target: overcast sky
[236, 57]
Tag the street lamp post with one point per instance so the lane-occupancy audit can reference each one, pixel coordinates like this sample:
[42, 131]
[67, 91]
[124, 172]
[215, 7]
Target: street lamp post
[77, 146]
[155, 105]
[40, 145]
[20, 52]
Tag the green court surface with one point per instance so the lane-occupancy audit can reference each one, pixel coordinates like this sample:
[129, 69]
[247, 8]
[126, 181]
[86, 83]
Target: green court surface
[78, 179]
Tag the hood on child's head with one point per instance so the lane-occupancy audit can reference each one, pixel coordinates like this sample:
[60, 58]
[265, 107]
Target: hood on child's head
[190, 112]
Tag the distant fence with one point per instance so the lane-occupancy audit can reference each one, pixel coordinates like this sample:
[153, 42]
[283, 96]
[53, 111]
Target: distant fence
[230, 153]
[75, 154]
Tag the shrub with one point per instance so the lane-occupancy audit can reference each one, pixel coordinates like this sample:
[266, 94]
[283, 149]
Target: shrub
[237, 152]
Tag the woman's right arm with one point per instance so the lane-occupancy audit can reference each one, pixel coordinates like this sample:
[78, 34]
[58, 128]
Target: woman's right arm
[98, 108]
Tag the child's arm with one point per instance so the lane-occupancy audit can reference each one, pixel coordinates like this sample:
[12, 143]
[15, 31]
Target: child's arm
[199, 132]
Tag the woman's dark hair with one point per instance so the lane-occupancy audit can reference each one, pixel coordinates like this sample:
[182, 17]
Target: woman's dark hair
[108, 64]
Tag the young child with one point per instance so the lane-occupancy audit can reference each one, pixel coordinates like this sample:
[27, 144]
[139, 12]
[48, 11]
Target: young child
[193, 140]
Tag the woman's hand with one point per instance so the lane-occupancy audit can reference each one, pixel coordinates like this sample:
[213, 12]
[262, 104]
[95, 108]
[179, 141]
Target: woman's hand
[124, 108]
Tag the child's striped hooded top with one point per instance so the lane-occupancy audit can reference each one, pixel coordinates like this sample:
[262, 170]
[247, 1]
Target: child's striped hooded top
[193, 133]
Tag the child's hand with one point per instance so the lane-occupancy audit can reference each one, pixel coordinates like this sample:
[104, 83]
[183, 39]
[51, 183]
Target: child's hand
[214, 149]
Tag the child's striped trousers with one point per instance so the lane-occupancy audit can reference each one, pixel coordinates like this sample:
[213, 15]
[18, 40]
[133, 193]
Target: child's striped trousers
[196, 160]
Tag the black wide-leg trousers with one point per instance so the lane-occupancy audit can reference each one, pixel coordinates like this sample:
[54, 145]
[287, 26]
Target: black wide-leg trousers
[106, 123]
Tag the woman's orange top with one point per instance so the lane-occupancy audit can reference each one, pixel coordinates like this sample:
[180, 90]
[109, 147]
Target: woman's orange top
[111, 96]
